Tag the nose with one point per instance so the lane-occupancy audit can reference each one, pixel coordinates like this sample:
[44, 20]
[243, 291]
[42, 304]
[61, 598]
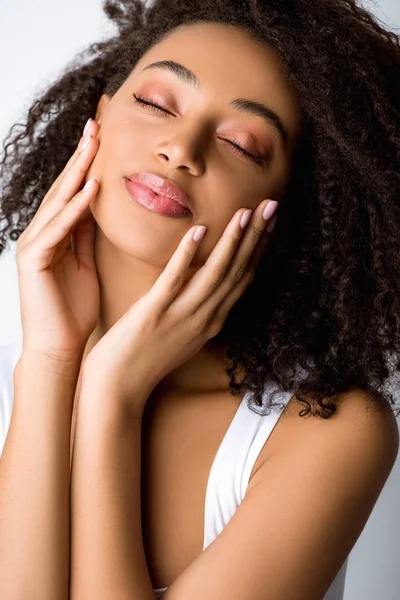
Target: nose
[181, 151]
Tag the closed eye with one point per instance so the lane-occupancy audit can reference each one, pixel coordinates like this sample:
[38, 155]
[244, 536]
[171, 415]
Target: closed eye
[152, 106]
[159, 109]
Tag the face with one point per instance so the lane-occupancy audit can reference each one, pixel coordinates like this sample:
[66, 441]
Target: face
[222, 156]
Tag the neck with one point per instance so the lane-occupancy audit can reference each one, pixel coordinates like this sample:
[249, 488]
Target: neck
[123, 281]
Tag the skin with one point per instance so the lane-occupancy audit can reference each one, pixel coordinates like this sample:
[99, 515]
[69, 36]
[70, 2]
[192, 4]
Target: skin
[132, 244]
[131, 254]
[107, 554]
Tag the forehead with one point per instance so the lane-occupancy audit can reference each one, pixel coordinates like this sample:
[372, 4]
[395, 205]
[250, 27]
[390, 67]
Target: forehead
[229, 64]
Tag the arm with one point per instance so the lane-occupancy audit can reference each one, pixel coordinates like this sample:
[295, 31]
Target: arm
[158, 333]
[302, 514]
[304, 510]
[34, 483]
[107, 554]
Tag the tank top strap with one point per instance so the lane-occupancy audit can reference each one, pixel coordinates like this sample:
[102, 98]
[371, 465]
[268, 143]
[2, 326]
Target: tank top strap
[230, 472]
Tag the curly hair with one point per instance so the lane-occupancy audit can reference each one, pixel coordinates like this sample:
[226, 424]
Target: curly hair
[324, 301]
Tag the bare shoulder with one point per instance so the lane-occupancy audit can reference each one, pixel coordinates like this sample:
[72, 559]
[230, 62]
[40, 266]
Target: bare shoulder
[372, 426]
[358, 445]
[359, 419]
[304, 508]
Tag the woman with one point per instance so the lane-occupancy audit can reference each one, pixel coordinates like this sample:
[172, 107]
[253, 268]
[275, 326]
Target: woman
[143, 342]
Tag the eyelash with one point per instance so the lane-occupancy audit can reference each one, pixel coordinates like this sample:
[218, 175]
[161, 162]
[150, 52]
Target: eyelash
[156, 108]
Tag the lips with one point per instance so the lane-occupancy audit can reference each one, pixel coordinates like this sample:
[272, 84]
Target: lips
[162, 187]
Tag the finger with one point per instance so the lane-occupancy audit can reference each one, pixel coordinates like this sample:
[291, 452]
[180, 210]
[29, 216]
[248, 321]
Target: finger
[67, 189]
[202, 286]
[173, 276]
[83, 235]
[73, 176]
[227, 305]
[68, 181]
[249, 248]
[90, 129]
[227, 302]
[39, 252]
[217, 307]
[209, 278]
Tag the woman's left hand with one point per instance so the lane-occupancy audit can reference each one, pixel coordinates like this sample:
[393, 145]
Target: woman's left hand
[172, 322]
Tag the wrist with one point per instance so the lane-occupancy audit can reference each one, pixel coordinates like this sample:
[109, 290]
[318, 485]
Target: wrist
[33, 363]
[108, 401]
[43, 392]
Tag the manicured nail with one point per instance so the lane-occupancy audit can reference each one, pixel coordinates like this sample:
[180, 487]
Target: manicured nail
[245, 218]
[272, 223]
[269, 210]
[199, 233]
[89, 183]
[87, 126]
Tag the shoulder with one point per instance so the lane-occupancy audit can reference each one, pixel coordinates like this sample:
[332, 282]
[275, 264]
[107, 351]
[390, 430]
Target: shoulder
[330, 470]
[360, 424]
[359, 421]
[370, 430]
[345, 459]
[304, 508]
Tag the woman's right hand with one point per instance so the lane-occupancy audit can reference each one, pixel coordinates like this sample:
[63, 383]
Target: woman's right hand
[58, 282]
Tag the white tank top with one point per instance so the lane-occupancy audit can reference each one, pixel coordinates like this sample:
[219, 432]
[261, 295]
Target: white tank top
[230, 471]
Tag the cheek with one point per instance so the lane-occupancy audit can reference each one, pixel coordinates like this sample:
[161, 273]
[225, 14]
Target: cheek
[114, 158]
[234, 189]
[127, 150]
[216, 223]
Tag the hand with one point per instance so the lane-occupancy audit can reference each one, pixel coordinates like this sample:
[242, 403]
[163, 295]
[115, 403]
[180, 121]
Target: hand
[57, 276]
[172, 322]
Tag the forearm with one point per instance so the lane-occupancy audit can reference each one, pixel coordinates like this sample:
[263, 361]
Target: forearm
[107, 555]
[34, 484]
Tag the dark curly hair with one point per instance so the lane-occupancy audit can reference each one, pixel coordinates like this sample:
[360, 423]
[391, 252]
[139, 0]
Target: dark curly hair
[325, 298]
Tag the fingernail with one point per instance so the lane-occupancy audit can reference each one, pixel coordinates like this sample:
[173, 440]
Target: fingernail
[199, 233]
[269, 210]
[245, 218]
[272, 223]
[87, 126]
[89, 183]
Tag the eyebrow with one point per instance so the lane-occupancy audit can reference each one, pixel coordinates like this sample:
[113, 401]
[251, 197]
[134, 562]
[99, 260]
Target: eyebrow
[249, 106]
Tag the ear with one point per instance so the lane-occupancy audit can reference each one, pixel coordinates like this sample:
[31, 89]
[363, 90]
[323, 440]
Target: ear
[104, 100]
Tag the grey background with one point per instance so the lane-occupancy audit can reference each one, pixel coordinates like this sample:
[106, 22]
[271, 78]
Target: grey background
[36, 40]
